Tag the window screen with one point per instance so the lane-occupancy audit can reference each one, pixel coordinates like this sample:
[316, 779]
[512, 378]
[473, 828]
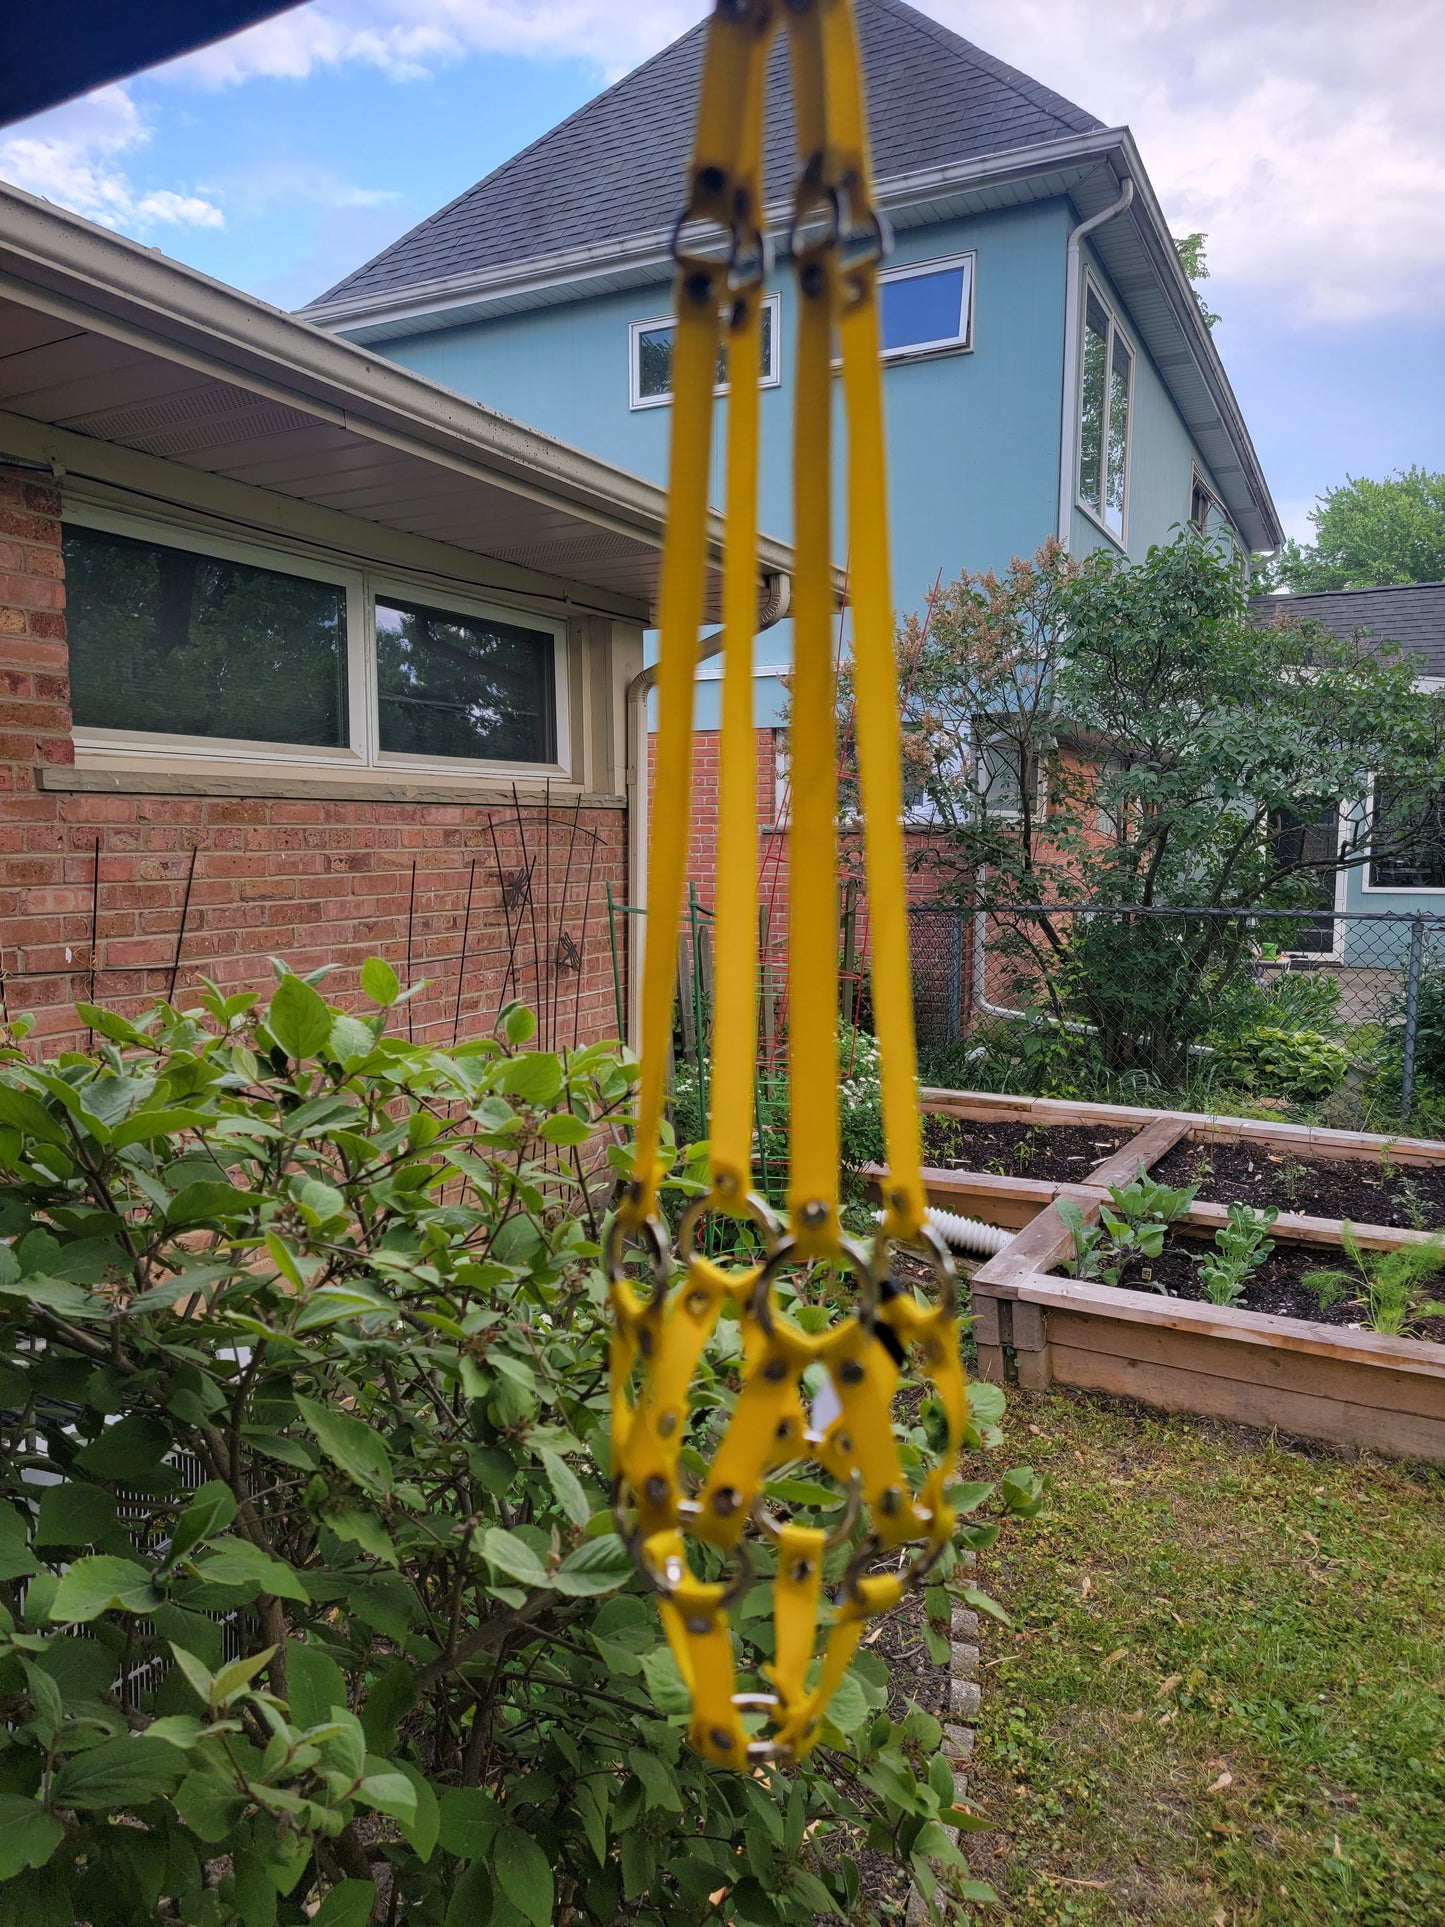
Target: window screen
[1105, 387]
[181, 644]
[925, 310]
[472, 686]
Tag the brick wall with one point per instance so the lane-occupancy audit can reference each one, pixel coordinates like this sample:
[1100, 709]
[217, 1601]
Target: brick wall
[111, 895]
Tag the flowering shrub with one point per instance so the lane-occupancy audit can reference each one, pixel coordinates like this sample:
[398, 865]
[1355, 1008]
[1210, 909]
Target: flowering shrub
[310, 1603]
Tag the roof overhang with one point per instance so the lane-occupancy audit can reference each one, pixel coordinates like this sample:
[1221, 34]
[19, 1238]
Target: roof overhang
[222, 403]
[1136, 249]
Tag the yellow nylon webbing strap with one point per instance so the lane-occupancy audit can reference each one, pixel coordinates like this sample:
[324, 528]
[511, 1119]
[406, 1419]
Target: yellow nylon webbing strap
[812, 839]
[735, 989]
[728, 70]
[874, 664]
[797, 1591]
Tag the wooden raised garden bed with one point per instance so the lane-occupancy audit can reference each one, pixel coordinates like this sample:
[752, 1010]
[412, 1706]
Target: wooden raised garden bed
[1302, 1375]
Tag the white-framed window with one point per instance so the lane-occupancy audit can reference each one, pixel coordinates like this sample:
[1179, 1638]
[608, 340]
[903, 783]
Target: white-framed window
[1410, 823]
[1106, 389]
[926, 308]
[1202, 500]
[649, 356]
[189, 645]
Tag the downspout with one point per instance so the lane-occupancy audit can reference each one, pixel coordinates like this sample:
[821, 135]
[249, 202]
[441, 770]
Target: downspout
[777, 596]
[1073, 286]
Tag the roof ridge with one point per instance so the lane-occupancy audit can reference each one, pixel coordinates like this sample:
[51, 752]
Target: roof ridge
[1373, 588]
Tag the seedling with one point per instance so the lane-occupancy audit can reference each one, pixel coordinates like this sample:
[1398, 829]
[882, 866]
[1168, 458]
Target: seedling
[1393, 1283]
[1129, 1234]
[1241, 1247]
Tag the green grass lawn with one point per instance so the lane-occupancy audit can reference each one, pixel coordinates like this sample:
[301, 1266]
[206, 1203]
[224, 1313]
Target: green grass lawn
[1223, 1700]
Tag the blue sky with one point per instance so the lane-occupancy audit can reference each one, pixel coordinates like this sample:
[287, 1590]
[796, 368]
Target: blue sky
[1306, 138]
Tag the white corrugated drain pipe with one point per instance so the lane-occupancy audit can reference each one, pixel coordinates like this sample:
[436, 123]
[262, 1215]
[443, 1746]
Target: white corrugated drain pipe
[966, 1234]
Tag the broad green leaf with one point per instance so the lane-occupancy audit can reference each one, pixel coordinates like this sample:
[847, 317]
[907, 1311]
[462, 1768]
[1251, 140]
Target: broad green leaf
[130, 1449]
[519, 1024]
[106, 1023]
[314, 1684]
[28, 1114]
[197, 1674]
[848, 1708]
[183, 1730]
[469, 1819]
[658, 1780]
[347, 1904]
[235, 1562]
[209, 1805]
[524, 1875]
[298, 1018]
[100, 1584]
[393, 1696]
[364, 1529]
[564, 1128]
[234, 1678]
[208, 1201]
[473, 1898]
[16, 1560]
[349, 1443]
[665, 1682]
[350, 1038]
[28, 1834]
[55, 1294]
[379, 981]
[211, 1510]
[511, 1555]
[535, 1079]
[567, 1486]
[74, 1515]
[985, 1402]
[146, 1125]
[597, 1566]
[421, 1831]
[118, 1773]
[389, 1793]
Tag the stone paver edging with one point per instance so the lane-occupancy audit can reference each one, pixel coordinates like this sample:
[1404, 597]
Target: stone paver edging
[963, 1704]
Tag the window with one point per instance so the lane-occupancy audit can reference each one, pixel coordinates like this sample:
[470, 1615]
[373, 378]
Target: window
[1409, 832]
[650, 354]
[450, 685]
[195, 646]
[1200, 503]
[928, 308]
[1105, 387]
[173, 641]
[1305, 840]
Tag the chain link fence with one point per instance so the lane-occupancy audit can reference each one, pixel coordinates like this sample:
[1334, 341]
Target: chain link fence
[1315, 1009]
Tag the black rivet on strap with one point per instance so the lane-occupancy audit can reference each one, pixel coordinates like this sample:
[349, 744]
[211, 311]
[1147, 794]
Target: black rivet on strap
[851, 1371]
[654, 1489]
[711, 180]
[725, 1501]
[775, 1370]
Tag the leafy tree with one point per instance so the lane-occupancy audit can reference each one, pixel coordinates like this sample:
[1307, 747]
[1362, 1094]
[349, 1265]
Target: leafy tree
[310, 1602]
[1090, 732]
[1370, 535]
[1191, 251]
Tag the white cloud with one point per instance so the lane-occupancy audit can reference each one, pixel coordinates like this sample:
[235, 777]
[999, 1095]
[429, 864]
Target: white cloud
[75, 156]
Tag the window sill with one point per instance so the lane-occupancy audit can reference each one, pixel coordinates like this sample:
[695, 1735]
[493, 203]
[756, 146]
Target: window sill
[311, 785]
[1089, 515]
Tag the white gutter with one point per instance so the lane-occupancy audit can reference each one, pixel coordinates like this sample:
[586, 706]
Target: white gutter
[1073, 294]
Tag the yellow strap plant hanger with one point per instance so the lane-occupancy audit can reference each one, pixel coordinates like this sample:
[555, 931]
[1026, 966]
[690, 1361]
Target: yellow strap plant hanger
[660, 1335]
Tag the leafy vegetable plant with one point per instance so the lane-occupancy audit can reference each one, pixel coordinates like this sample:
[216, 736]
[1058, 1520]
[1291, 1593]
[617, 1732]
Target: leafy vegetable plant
[310, 1603]
[1129, 1234]
[1241, 1247]
[1392, 1283]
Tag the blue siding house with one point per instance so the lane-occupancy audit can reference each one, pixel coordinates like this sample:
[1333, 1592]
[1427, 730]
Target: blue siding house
[1049, 370]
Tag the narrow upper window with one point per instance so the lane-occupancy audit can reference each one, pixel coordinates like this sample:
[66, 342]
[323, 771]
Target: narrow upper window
[928, 307]
[171, 641]
[464, 686]
[651, 356]
[1200, 503]
[1409, 837]
[1105, 389]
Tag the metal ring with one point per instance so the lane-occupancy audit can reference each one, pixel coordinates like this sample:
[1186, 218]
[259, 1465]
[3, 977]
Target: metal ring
[761, 1304]
[944, 1268]
[666, 1586]
[749, 1206]
[853, 1500]
[653, 1230]
[813, 192]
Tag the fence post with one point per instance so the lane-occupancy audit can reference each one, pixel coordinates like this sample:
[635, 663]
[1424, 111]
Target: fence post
[1412, 1014]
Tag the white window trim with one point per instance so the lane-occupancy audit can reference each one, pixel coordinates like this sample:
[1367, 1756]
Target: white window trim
[1369, 889]
[1119, 537]
[959, 344]
[637, 329]
[361, 756]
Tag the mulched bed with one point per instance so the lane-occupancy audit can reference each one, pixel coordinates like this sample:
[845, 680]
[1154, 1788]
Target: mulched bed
[1410, 1196]
[1057, 1153]
[1274, 1288]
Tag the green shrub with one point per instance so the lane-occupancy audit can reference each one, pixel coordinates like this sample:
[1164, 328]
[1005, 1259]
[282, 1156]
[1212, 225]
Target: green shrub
[1284, 1063]
[308, 1587]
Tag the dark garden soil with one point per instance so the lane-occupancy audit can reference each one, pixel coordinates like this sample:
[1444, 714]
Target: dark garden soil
[1057, 1153]
[1411, 1196]
[1276, 1287]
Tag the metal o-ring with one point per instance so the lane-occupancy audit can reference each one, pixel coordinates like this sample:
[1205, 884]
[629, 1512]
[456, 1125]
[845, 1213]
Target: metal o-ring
[853, 1499]
[749, 1206]
[654, 1233]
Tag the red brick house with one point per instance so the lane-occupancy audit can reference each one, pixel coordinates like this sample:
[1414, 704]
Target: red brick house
[300, 654]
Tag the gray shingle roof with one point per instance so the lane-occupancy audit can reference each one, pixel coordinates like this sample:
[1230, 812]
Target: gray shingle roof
[616, 167]
[1412, 615]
